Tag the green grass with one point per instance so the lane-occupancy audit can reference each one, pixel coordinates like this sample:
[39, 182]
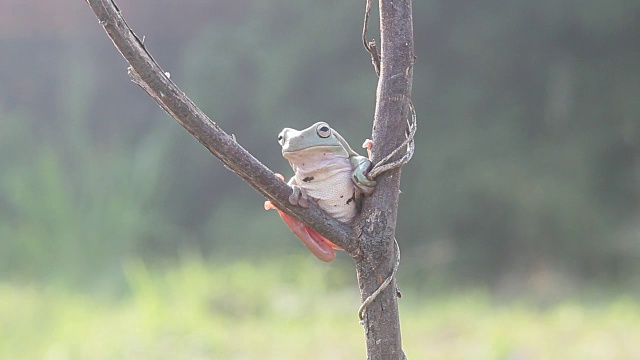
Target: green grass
[292, 309]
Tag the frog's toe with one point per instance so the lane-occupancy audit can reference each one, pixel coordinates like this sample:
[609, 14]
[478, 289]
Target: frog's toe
[304, 202]
[368, 144]
[361, 180]
[298, 197]
[367, 187]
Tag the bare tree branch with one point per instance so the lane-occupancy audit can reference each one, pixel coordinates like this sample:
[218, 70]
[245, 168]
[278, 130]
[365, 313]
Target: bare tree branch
[146, 73]
[376, 226]
[370, 46]
[372, 244]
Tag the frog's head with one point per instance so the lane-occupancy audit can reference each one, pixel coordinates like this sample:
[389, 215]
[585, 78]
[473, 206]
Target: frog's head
[318, 137]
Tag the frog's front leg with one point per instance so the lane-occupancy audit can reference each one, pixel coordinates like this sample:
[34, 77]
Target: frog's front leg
[361, 167]
[298, 195]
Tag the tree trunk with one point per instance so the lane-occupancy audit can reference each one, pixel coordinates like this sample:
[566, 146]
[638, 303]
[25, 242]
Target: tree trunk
[377, 223]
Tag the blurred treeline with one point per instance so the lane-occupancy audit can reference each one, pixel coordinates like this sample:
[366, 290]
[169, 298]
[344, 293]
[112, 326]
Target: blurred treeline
[526, 175]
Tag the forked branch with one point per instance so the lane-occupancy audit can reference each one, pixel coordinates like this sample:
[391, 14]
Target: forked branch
[373, 247]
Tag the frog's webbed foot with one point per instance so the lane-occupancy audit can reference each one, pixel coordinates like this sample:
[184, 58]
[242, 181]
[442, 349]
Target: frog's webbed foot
[298, 196]
[363, 184]
[362, 165]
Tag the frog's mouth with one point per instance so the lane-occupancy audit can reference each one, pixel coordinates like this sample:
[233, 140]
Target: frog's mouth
[310, 148]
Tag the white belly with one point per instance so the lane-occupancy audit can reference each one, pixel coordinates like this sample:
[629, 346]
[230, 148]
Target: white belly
[334, 193]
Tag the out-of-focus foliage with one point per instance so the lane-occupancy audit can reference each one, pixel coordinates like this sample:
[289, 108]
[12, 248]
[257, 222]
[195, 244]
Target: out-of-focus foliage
[263, 310]
[526, 175]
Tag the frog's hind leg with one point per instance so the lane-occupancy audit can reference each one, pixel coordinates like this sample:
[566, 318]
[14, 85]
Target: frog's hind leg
[316, 243]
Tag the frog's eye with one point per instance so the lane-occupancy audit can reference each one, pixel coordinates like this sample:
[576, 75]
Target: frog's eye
[323, 130]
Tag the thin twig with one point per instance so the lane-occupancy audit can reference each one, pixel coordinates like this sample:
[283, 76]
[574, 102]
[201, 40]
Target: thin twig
[370, 46]
[365, 27]
[383, 164]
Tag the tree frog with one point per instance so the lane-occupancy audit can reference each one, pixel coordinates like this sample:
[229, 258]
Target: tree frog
[328, 172]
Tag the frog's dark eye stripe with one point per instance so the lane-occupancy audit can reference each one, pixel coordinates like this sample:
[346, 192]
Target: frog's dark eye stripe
[323, 130]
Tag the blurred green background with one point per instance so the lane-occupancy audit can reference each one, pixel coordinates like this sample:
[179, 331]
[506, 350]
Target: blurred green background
[519, 218]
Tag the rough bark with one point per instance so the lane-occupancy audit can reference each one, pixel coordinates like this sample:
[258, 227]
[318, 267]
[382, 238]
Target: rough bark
[376, 226]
